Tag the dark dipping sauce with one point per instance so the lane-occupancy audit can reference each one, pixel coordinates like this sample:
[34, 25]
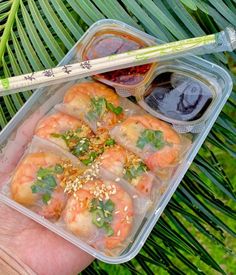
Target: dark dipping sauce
[178, 96]
[107, 43]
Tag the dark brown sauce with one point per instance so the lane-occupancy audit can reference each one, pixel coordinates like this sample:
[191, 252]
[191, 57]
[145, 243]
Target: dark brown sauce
[107, 43]
[178, 97]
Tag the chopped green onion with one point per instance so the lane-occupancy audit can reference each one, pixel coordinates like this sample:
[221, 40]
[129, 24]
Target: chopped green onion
[102, 214]
[110, 142]
[108, 229]
[58, 169]
[92, 157]
[81, 147]
[98, 218]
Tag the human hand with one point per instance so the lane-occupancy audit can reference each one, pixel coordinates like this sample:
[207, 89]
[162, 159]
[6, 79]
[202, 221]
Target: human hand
[42, 250]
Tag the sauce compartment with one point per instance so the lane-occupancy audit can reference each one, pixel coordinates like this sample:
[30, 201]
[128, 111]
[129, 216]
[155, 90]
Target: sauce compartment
[114, 39]
[181, 95]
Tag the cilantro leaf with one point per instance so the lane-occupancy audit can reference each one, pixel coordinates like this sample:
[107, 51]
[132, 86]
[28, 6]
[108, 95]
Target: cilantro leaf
[98, 218]
[151, 137]
[90, 159]
[42, 172]
[109, 206]
[102, 214]
[98, 107]
[108, 229]
[135, 171]
[117, 110]
[46, 182]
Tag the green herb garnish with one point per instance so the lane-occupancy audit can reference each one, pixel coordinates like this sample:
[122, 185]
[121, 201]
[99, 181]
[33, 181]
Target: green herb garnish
[91, 158]
[81, 147]
[68, 136]
[77, 145]
[99, 106]
[135, 171]
[110, 142]
[102, 214]
[151, 137]
[46, 182]
[117, 110]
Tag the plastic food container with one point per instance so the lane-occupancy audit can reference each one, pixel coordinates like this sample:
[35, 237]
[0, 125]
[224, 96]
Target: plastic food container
[17, 135]
[113, 38]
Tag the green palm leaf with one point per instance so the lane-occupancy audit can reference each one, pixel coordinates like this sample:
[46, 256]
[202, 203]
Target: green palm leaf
[198, 220]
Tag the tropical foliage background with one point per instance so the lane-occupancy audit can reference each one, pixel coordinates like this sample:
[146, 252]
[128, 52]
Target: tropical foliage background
[197, 230]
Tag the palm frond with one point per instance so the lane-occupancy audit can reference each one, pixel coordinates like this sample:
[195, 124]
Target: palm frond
[37, 34]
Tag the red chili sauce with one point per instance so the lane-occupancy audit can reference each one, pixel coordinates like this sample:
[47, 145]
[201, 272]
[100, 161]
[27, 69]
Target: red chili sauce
[106, 43]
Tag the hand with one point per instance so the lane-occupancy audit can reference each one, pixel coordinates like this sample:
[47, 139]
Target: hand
[42, 250]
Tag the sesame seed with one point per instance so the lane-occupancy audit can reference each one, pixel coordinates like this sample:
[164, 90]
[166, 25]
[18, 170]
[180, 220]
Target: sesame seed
[126, 208]
[135, 196]
[118, 233]
[117, 179]
[117, 212]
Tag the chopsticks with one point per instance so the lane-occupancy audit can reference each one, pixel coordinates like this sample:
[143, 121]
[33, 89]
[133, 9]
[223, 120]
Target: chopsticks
[222, 41]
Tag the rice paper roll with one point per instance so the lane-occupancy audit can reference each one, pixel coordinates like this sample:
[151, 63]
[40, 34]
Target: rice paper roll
[102, 213]
[125, 165]
[38, 180]
[155, 141]
[96, 104]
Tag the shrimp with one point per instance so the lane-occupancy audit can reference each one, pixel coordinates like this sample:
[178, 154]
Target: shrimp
[95, 103]
[153, 140]
[26, 176]
[58, 126]
[127, 165]
[101, 212]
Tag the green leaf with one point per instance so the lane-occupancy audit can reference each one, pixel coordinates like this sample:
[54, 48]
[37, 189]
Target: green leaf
[151, 137]
[190, 4]
[45, 181]
[90, 159]
[46, 198]
[116, 110]
[81, 147]
[97, 109]
[110, 142]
